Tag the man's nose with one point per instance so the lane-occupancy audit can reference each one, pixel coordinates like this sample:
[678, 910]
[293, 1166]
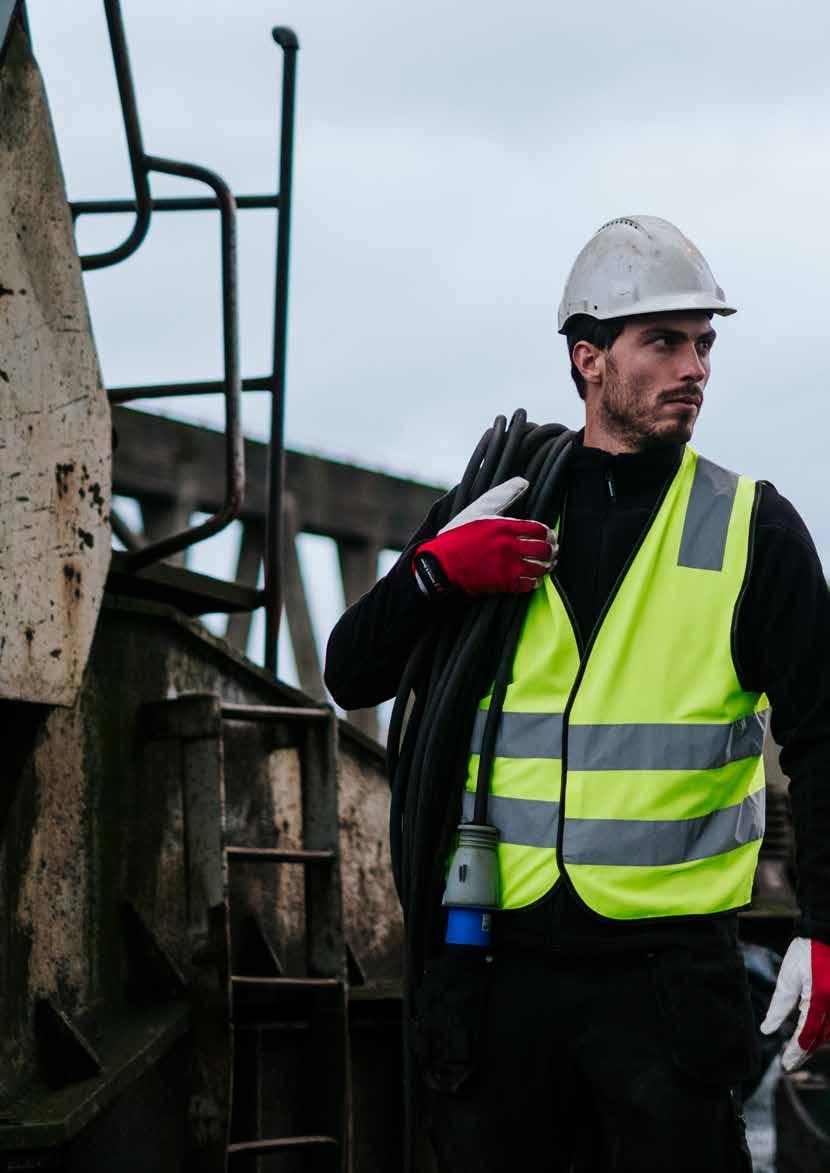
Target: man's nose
[694, 367]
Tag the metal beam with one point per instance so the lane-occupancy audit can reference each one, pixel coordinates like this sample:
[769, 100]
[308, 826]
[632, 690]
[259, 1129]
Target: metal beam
[247, 573]
[334, 499]
[161, 518]
[359, 569]
[297, 610]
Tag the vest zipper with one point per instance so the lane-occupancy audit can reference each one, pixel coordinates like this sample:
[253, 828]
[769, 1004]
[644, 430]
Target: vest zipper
[569, 611]
[566, 602]
[583, 663]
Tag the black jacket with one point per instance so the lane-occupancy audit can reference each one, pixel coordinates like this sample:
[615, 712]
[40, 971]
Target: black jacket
[782, 647]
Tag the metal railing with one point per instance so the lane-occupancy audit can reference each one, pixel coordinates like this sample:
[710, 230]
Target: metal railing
[143, 205]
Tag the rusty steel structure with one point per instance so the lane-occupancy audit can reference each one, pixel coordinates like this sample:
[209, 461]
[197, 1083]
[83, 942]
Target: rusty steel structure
[170, 469]
[143, 205]
[200, 939]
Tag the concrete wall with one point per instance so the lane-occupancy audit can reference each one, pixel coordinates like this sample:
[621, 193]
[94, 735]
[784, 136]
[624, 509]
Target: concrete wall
[374, 928]
[54, 416]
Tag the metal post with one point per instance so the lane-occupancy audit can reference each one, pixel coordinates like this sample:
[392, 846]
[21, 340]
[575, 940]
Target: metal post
[289, 44]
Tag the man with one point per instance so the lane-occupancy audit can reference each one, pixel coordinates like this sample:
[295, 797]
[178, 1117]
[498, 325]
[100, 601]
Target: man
[611, 1023]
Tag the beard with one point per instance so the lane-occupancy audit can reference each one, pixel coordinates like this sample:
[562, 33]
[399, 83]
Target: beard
[628, 414]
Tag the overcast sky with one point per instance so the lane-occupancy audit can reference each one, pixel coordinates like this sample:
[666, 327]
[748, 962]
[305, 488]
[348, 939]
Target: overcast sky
[451, 160]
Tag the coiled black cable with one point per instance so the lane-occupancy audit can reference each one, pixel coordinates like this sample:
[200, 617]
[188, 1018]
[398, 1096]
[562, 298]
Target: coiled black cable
[468, 647]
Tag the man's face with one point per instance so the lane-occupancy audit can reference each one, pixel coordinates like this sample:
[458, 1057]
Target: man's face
[653, 378]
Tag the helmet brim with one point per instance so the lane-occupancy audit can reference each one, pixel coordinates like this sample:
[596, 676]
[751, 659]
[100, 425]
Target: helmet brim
[672, 303]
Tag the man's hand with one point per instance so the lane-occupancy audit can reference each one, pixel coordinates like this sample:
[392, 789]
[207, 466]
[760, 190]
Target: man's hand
[482, 553]
[804, 978]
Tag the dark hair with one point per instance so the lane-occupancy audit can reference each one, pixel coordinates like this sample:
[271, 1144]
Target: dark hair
[603, 335]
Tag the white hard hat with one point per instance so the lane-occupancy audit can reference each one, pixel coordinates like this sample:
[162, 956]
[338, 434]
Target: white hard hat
[639, 265]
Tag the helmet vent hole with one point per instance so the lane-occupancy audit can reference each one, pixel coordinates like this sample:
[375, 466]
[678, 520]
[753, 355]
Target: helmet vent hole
[622, 220]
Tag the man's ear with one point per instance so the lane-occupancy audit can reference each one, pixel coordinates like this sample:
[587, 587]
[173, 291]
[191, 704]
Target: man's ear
[589, 360]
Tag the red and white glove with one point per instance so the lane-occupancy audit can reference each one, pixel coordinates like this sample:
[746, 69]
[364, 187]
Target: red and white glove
[804, 978]
[483, 553]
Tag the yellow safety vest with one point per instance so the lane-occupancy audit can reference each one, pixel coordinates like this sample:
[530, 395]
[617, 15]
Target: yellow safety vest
[634, 765]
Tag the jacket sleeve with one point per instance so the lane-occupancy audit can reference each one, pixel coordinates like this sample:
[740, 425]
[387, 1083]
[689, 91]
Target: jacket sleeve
[371, 642]
[783, 649]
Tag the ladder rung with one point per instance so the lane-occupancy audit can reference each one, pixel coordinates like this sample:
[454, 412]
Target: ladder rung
[233, 712]
[281, 983]
[277, 855]
[285, 1144]
[285, 1027]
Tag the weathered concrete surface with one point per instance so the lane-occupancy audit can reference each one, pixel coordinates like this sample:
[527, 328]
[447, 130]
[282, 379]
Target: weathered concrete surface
[371, 912]
[98, 819]
[52, 904]
[54, 417]
[264, 807]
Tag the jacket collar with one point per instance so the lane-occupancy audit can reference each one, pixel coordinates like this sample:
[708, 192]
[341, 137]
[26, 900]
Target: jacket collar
[630, 471]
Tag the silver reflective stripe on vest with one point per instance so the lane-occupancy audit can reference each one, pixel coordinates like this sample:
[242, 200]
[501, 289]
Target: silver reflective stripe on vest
[522, 735]
[528, 822]
[707, 517]
[625, 842]
[625, 747]
[658, 842]
[664, 747]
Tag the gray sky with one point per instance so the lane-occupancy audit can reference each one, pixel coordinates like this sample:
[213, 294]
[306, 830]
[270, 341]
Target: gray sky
[450, 162]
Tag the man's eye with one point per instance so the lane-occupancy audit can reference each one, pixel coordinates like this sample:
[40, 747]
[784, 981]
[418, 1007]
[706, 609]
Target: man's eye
[705, 345]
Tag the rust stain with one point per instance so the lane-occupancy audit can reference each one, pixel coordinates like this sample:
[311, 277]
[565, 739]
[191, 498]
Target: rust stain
[62, 474]
[97, 496]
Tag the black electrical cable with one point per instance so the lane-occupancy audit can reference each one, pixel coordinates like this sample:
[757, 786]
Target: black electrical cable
[469, 647]
[538, 505]
[484, 476]
[459, 649]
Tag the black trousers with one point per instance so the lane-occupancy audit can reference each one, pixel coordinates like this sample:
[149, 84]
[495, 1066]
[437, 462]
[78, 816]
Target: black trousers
[594, 1065]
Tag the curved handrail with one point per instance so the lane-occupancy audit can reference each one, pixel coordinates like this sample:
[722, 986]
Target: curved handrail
[135, 145]
[143, 206]
[235, 462]
[142, 165]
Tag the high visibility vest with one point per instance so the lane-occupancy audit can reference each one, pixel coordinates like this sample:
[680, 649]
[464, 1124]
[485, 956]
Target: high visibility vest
[634, 764]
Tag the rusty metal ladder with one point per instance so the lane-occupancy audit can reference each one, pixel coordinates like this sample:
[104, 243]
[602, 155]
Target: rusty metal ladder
[242, 1019]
